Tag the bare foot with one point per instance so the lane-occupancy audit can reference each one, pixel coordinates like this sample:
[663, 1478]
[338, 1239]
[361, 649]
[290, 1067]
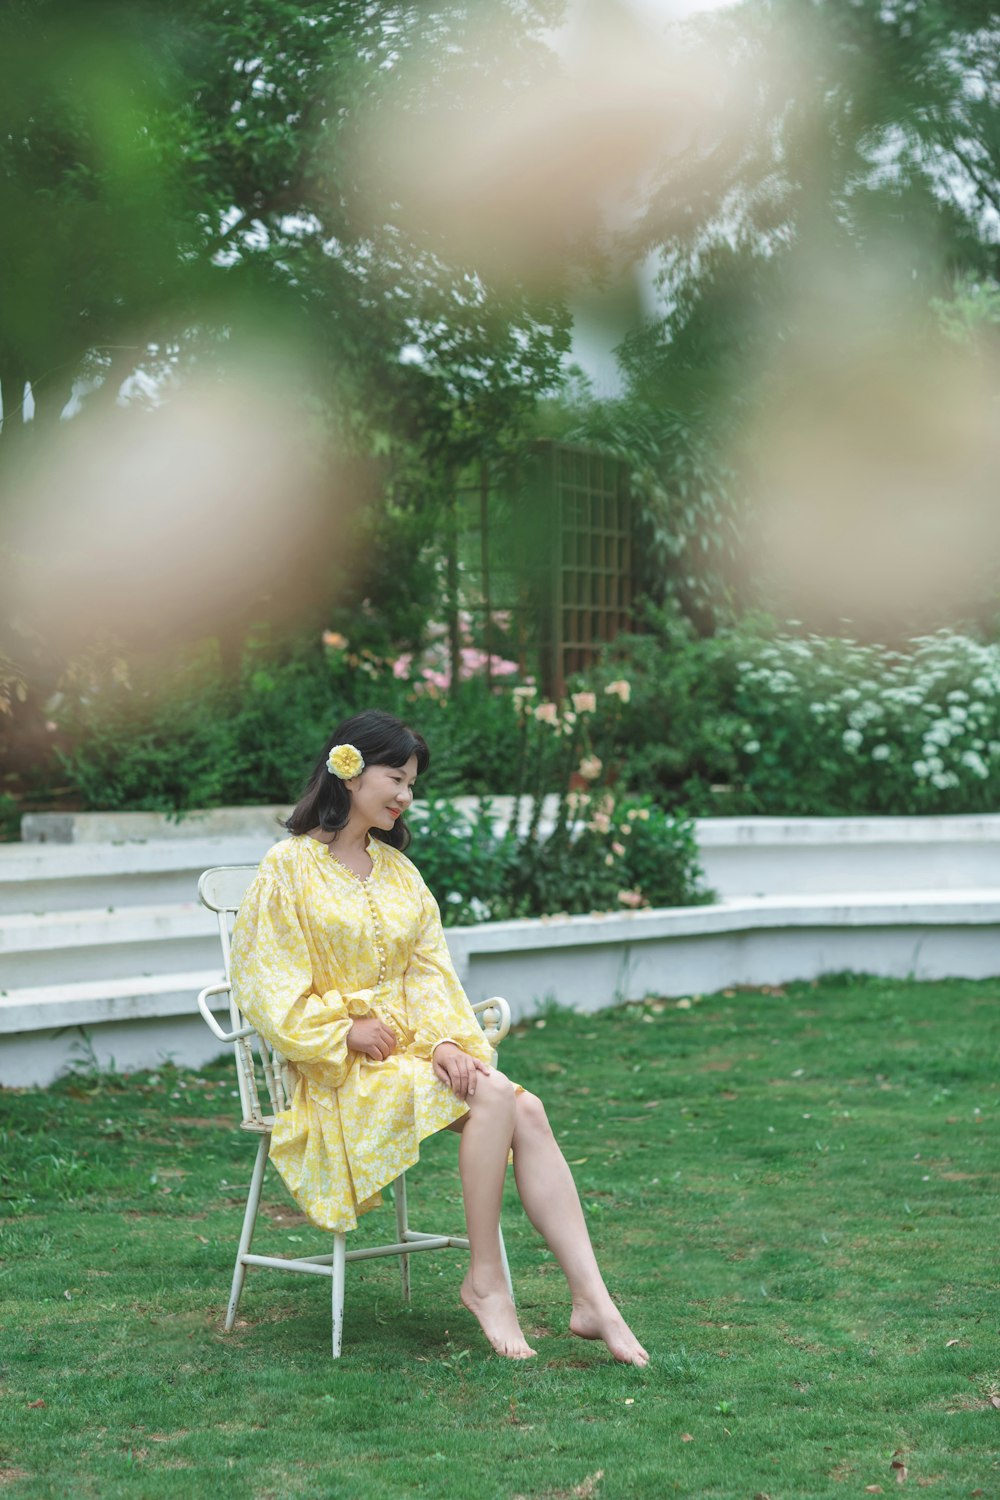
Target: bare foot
[497, 1318]
[606, 1322]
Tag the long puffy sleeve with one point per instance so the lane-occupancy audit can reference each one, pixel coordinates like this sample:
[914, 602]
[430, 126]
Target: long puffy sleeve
[437, 1005]
[273, 986]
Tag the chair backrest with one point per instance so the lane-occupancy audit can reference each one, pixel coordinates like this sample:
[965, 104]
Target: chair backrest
[222, 889]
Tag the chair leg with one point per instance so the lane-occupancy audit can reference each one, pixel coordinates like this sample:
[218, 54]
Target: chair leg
[337, 1278]
[402, 1225]
[249, 1220]
[506, 1266]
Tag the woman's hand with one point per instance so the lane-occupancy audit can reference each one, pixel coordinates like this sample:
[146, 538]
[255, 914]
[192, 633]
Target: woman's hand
[372, 1037]
[457, 1069]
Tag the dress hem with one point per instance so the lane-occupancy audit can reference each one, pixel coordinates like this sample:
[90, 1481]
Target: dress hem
[372, 1199]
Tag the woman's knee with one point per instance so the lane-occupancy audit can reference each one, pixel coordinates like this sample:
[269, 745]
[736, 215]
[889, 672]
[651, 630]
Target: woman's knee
[531, 1116]
[494, 1090]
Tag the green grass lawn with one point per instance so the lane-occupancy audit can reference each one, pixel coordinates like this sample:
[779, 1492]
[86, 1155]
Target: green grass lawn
[792, 1193]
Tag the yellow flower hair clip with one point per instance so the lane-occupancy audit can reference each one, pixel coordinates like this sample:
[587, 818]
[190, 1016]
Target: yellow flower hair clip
[345, 761]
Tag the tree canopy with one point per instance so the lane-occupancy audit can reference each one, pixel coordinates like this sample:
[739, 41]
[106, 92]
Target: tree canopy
[172, 175]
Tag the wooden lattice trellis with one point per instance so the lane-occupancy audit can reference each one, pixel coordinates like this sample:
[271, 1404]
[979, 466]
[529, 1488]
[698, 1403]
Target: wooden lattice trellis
[550, 542]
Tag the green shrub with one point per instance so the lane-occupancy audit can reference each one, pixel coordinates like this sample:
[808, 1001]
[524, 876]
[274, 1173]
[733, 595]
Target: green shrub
[661, 854]
[748, 721]
[172, 740]
[193, 739]
[473, 735]
[599, 856]
[464, 859]
[282, 711]
[131, 746]
[583, 850]
[677, 733]
[10, 817]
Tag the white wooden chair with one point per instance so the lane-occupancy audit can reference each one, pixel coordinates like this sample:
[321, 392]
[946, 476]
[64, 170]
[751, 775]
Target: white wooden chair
[259, 1069]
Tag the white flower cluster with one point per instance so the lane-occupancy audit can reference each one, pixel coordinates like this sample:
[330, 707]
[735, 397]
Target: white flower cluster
[929, 715]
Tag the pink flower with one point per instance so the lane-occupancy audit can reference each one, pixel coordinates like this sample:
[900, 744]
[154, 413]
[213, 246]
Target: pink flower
[630, 898]
[547, 713]
[585, 703]
[401, 666]
[590, 767]
[501, 667]
[335, 640]
[600, 823]
[472, 661]
[618, 849]
[620, 688]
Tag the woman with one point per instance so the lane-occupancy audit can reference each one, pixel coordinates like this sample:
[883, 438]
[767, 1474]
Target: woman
[339, 960]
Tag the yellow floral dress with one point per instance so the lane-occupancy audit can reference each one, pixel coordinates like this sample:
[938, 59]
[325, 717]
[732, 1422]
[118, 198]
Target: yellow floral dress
[315, 947]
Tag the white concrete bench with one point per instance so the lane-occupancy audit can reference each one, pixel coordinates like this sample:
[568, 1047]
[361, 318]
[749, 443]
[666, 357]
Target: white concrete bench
[108, 938]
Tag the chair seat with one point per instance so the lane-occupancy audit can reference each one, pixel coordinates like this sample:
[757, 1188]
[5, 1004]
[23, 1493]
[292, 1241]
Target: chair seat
[261, 1127]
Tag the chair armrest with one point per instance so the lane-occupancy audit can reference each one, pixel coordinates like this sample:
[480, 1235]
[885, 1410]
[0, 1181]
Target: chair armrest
[494, 1018]
[203, 1006]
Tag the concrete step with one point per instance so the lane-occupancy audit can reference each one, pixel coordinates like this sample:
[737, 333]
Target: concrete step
[584, 961]
[768, 856]
[118, 1024]
[41, 878]
[92, 1001]
[740, 856]
[63, 946]
[111, 936]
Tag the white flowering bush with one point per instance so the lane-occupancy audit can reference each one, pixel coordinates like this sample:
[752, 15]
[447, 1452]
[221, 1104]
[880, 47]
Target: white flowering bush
[830, 726]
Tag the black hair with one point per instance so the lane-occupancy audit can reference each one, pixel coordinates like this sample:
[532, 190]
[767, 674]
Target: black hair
[381, 740]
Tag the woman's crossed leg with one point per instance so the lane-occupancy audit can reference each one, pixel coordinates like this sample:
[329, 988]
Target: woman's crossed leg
[499, 1119]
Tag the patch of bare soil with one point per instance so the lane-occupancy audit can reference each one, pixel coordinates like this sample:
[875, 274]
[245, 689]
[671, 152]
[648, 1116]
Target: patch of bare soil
[281, 1213]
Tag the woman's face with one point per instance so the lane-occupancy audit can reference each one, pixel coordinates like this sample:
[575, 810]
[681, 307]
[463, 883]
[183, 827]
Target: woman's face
[381, 794]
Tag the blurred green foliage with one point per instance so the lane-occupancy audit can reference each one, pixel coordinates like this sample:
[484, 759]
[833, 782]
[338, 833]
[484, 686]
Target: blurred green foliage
[180, 183]
[182, 186]
[174, 178]
[169, 739]
[185, 733]
[850, 174]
